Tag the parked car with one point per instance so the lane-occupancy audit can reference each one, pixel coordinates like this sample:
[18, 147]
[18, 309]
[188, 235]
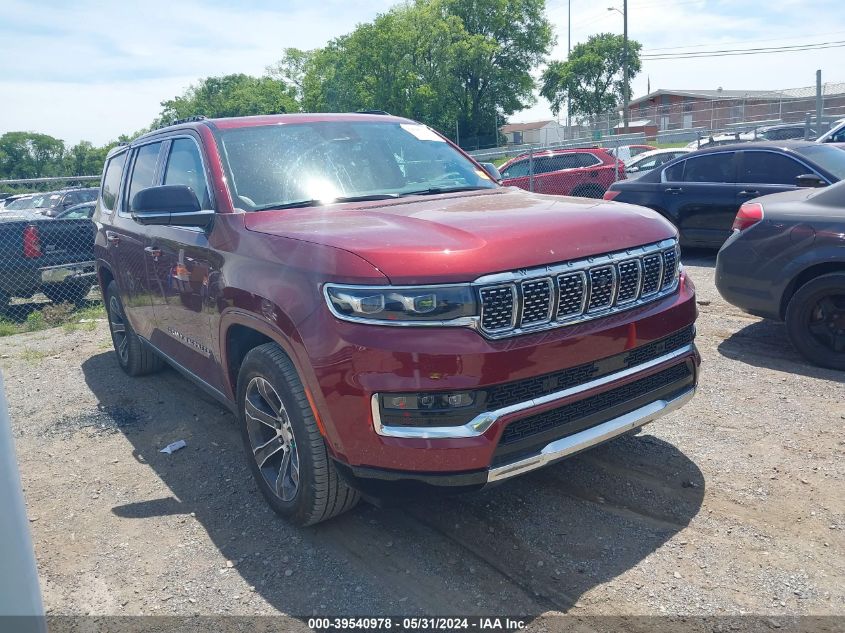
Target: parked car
[84, 210]
[626, 153]
[564, 172]
[54, 202]
[721, 139]
[647, 161]
[701, 193]
[21, 202]
[836, 134]
[404, 323]
[38, 254]
[786, 261]
[784, 132]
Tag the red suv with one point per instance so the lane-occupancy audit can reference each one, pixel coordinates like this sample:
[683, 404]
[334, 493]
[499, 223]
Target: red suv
[377, 312]
[565, 172]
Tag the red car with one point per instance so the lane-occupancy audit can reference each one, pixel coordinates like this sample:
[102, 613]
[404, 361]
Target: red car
[377, 312]
[564, 172]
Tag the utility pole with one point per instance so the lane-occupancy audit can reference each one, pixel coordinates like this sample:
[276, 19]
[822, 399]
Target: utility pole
[625, 65]
[568, 55]
[625, 88]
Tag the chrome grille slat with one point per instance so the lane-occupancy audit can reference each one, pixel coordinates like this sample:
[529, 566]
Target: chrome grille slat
[498, 307]
[630, 279]
[555, 296]
[602, 287]
[572, 294]
[537, 301]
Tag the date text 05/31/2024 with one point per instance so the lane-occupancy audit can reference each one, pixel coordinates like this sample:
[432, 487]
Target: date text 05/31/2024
[417, 623]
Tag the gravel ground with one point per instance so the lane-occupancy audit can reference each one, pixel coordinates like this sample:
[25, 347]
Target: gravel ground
[733, 505]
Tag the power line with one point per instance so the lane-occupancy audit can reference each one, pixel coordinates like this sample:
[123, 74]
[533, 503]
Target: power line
[770, 39]
[746, 51]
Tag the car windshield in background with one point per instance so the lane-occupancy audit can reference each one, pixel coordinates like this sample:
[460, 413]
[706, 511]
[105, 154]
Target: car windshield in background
[309, 164]
[829, 158]
[26, 203]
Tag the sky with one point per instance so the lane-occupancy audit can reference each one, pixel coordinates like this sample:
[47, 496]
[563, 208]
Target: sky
[92, 70]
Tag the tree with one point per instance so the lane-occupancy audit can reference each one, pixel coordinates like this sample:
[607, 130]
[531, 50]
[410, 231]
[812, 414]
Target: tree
[290, 70]
[444, 62]
[83, 159]
[592, 76]
[230, 95]
[30, 155]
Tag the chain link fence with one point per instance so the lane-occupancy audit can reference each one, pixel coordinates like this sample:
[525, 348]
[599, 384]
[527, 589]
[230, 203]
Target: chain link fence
[580, 160]
[47, 271]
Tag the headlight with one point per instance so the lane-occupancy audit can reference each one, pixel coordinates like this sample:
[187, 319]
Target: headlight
[388, 304]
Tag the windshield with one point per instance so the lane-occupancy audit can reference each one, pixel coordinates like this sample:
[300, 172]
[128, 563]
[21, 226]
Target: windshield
[316, 163]
[831, 159]
[24, 203]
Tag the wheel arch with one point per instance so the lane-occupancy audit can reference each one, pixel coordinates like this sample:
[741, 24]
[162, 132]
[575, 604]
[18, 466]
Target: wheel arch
[805, 275]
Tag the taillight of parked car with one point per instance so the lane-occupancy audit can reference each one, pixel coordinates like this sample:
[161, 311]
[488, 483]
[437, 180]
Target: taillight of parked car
[610, 195]
[31, 242]
[749, 214]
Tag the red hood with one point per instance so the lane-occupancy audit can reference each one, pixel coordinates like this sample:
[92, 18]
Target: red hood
[460, 237]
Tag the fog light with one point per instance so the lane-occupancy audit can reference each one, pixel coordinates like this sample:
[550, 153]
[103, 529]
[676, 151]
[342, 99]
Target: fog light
[428, 401]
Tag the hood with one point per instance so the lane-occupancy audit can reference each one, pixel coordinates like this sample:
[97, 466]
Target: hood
[460, 237]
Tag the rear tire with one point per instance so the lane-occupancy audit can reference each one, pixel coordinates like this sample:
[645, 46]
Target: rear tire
[815, 320]
[135, 358]
[67, 293]
[284, 447]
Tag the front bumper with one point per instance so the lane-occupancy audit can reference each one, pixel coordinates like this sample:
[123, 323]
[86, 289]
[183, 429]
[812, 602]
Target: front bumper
[379, 481]
[347, 364]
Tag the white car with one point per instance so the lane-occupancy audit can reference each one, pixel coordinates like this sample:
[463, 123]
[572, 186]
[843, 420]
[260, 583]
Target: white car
[836, 134]
[655, 158]
[627, 153]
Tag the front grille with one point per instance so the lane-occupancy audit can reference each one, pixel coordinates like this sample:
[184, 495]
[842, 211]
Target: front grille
[629, 281]
[497, 308]
[652, 270]
[571, 289]
[602, 285]
[537, 386]
[670, 267]
[572, 292]
[567, 414]
[536, 301]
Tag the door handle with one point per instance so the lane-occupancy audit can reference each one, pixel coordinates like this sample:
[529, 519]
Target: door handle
[594, 174]
[749, 193]
[152, 251]
[112, 237]
[673, 189]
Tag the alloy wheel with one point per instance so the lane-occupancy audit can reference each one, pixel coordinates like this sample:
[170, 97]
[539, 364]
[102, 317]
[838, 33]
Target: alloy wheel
[117, 325]
[271, 438]
[827, 322]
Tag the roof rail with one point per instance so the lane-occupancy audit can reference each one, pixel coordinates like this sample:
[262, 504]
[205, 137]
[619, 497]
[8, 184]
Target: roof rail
[187, 119]
[382, 112]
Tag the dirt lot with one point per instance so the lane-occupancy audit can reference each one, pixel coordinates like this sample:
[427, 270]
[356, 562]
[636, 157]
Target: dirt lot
[735, 504]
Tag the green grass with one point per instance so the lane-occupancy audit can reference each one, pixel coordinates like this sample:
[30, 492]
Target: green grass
[52, 315]
[35, 356]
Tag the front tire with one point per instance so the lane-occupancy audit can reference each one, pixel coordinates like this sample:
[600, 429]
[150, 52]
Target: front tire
[135, 358]
[815, 320]
[588, 191]
[285, 450]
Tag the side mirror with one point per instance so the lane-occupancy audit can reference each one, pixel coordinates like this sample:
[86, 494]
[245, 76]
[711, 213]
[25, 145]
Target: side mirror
[491, 170]
[170, 205]
[810, 180]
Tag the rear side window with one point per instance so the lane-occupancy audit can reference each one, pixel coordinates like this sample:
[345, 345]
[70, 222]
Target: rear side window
[768, 168]
[184, 167]
[144, 169]
[710, 168]
[675, 173]
[517, 170]
[111, 181]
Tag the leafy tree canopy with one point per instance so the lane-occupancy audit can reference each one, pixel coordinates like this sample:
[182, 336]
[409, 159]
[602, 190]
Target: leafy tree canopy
[592, 76]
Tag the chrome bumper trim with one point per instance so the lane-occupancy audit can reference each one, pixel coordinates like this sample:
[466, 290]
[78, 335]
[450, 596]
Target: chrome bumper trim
[58, 274]
[587, 438]
[483, 421]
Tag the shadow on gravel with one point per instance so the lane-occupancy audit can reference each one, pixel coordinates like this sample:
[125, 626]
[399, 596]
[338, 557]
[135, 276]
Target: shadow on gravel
[765, 344]
[529, 546]
[703, 257]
